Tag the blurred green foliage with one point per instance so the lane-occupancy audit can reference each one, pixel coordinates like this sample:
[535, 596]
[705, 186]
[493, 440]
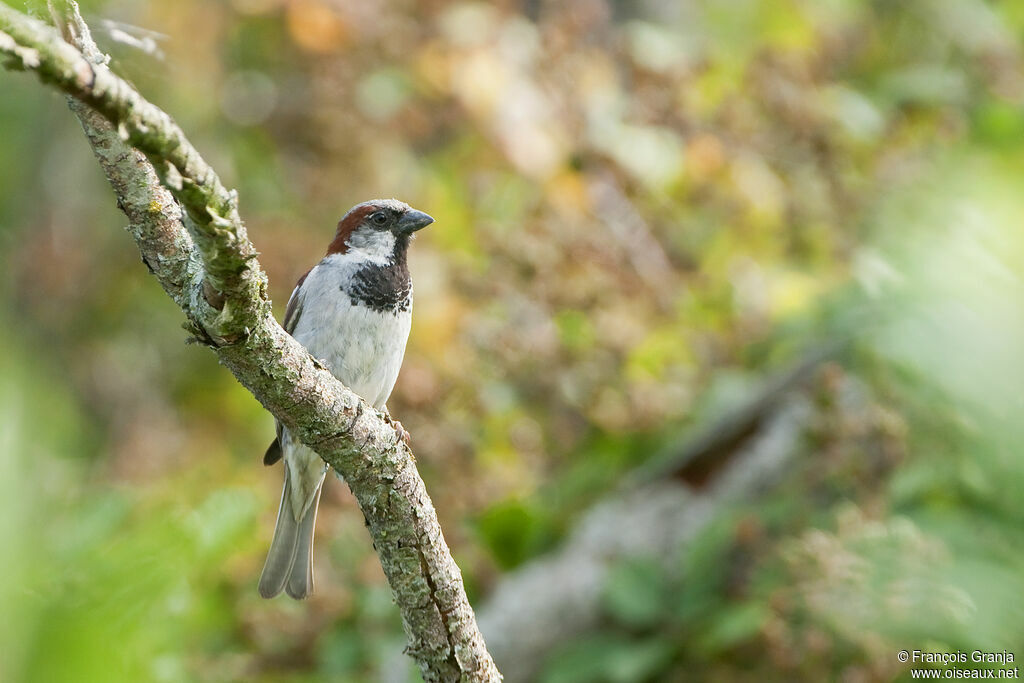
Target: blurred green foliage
[642, 208]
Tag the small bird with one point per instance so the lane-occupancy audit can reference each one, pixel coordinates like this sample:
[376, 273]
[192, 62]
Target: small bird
[353, 311]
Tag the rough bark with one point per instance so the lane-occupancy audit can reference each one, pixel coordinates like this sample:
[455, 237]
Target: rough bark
[203, 259]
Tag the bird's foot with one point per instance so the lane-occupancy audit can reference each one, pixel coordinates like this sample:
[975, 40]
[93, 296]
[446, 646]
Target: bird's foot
[399, 429]
[402, 434]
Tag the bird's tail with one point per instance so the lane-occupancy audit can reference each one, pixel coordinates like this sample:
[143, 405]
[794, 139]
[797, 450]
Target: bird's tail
[289, 563]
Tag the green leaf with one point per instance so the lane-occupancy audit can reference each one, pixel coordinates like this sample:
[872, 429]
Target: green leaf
[733, 626]
[635, 593]
[607, 658]
[514, 531]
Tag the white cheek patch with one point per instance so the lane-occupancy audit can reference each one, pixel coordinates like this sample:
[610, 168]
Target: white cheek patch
[377, 246]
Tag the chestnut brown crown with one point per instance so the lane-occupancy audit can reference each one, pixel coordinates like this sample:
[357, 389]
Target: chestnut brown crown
[378, 215]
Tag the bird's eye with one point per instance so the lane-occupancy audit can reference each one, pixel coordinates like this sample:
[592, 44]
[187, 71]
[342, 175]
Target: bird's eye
[379, 218]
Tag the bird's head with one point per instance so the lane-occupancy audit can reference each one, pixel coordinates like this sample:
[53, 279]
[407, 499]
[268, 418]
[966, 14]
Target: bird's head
[378, 228]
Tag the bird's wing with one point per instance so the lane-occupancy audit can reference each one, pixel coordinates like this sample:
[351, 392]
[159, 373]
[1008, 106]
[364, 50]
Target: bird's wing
[292, 312]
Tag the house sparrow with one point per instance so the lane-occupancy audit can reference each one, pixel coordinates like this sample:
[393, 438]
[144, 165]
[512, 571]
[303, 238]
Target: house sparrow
[353, 310]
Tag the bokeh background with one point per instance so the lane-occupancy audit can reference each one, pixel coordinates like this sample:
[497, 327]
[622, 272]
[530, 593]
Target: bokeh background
[647, 213]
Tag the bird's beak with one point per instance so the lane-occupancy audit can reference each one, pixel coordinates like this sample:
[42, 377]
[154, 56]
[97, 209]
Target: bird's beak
[412, 221]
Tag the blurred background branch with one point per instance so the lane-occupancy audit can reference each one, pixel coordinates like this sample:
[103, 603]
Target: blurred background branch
[651, 521]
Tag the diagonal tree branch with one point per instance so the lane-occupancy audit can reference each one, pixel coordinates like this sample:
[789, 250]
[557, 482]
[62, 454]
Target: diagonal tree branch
[205, 262]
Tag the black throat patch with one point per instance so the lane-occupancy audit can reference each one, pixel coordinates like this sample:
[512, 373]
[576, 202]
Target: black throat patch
[384, 288]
